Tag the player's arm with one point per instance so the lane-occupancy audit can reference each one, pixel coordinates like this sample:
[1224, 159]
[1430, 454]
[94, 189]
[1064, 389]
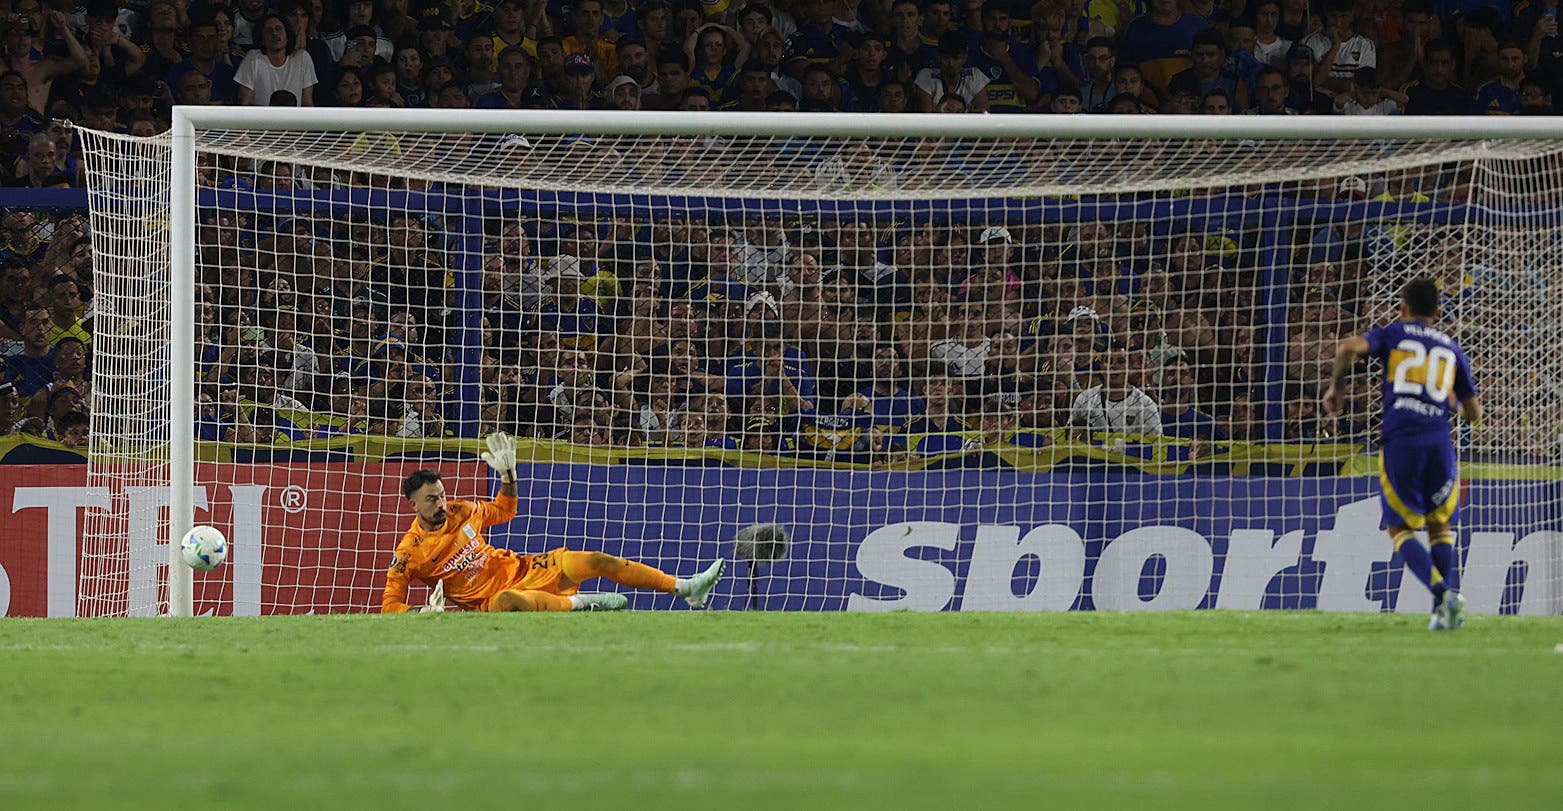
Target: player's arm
[394, 601]
[1471, 409]
[501, 458]
[1346, 356]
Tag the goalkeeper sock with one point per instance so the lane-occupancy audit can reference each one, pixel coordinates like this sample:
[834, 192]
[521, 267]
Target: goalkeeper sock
[1441, 548]
[583, 566]
[1418, 562]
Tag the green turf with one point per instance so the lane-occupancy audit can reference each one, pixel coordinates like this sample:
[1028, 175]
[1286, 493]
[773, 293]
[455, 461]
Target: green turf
[649, 710]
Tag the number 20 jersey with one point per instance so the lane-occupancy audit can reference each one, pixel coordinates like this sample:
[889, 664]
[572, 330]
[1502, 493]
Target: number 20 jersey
[1426, 375]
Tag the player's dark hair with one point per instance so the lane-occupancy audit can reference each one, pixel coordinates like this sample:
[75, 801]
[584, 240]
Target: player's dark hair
[416, 480]
[1420, 296]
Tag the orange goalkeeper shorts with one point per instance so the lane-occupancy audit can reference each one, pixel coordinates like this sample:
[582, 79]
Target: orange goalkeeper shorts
[543, 573]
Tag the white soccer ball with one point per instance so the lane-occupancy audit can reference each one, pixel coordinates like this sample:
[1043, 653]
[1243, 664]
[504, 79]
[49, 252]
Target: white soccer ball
[204, 548]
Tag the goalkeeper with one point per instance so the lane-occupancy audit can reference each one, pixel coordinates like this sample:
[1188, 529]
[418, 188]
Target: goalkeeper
[445, 549]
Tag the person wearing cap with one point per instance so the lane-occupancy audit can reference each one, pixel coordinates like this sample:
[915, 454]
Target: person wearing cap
[1302, 95]
[586, 38]
[279, 64]
[208, 61]
[1160, 41]
[1338, 50]
[953, 76]
[574, 89]
[623, 93]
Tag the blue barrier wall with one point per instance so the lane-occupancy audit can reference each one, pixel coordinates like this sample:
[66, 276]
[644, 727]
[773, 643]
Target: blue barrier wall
[1007, 540]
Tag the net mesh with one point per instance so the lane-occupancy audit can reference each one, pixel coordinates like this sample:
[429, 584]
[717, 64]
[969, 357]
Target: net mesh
[691, 334]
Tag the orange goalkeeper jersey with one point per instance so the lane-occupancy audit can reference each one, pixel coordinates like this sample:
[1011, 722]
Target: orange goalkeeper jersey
[473, 571]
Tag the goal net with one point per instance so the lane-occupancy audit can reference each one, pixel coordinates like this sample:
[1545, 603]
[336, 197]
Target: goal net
[968, 363]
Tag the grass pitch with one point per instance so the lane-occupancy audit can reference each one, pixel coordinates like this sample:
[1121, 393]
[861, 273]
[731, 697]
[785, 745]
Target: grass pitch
[705, 710]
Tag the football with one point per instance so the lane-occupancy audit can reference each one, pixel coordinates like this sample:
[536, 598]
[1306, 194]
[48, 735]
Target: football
[204, 548]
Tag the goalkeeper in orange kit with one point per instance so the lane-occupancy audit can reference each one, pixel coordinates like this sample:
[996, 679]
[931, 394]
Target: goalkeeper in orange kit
[445, 549]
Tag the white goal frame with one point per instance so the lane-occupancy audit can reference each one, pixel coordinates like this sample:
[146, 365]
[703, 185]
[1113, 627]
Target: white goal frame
[187, 120]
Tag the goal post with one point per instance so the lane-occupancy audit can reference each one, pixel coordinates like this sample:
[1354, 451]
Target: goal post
[593, 281]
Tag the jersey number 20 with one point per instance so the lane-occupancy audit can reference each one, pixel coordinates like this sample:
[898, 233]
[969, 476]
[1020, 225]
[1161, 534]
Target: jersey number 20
[1419, 370]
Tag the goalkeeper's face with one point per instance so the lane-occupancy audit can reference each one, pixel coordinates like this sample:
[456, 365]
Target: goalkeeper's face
[429, 501]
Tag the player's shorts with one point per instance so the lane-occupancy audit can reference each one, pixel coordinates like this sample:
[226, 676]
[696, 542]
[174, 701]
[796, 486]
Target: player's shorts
[542, 573]
[1421, 483]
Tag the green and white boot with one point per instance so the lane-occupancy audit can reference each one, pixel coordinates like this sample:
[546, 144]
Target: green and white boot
[606, 601]
[695, 589]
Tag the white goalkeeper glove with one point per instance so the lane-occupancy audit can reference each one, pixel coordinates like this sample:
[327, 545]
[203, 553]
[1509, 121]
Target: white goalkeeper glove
[436, 602]
[501, 455]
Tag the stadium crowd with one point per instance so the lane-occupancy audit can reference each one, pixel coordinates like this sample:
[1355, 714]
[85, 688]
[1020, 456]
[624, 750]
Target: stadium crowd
[835, 339]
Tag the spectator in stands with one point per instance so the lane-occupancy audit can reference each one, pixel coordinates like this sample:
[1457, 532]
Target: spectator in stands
[1096, 88]
[1270, 47]
[1501, 96]
[953, 76]
[71, 430]
[1366, 97]
[586, 18]
[1434, 92]
[66, 310]
[30, 50]
[515, 73]
[19, 119]
[1270, 97]
[1009, 65]
[1303, 96]
[1160, 42]
[1180, 418]
[1208, 73]
[208, 61]
[1116, 405]
[1338, 49]
[278, 64]
[33, 367]
[10, 408]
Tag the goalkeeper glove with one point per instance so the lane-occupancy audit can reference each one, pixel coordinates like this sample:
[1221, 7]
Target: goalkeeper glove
[501, 455]
[436, 603]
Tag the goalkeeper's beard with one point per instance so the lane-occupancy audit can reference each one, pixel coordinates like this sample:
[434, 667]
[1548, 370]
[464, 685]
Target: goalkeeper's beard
[437, 519]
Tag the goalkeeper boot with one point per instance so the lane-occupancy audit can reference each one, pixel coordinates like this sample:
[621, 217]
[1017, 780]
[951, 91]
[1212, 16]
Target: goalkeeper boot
[695, 589]
[606, 601]
[1452, 608]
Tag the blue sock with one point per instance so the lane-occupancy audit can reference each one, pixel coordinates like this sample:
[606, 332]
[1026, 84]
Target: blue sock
[1417, 560]
[1443, 554]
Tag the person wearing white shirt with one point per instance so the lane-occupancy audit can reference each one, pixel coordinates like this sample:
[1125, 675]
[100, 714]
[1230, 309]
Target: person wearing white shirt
[1117, 406]
[278, 65]
[1338, 50]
